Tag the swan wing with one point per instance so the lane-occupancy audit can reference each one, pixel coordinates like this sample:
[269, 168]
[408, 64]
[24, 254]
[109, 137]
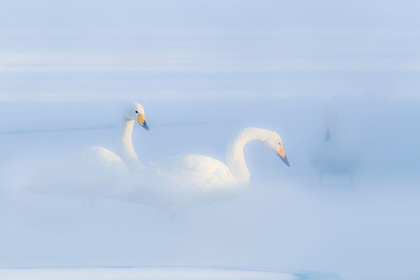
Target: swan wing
[187, 172]
[94, 172]
[179, 182]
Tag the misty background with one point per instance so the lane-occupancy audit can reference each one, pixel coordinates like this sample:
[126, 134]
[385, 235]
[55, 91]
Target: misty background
[203, 70]
[107, 50]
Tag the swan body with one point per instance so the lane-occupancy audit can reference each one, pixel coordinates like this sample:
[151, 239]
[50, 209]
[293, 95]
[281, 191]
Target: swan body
[190, 181]
[332, 158]
[96, 170]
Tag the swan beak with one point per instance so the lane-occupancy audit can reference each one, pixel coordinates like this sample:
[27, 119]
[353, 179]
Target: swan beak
[328, 135]
[283, 157]
[142, 121]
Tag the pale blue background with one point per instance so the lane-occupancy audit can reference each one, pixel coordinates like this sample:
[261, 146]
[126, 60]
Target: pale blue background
[102, 50]
[204, 70]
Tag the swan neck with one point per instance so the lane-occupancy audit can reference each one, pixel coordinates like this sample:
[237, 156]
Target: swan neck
[125, 146]
[235, 152]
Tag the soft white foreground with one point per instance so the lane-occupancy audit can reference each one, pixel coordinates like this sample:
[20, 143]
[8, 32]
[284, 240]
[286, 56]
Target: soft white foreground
[286, 220]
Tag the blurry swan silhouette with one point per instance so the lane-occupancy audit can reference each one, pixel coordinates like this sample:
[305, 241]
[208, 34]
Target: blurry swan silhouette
[96, 170]
[190, 181]
[339, 151]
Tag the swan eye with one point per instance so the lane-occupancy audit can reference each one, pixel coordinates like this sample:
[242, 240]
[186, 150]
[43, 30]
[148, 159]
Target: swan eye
[280, 144]
[137, 112]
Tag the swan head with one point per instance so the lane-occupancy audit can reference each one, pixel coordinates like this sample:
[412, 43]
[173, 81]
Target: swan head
[136, 112]
[275, 144]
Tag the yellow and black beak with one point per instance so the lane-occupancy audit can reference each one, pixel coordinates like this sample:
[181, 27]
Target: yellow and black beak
[142, 121]
[283, 157]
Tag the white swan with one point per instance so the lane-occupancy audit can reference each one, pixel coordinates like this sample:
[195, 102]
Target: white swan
[95, 171]
[190, 181]
[338, 151]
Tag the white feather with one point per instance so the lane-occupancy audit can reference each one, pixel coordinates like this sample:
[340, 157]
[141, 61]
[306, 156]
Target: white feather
[190, 181]
[96, 170]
